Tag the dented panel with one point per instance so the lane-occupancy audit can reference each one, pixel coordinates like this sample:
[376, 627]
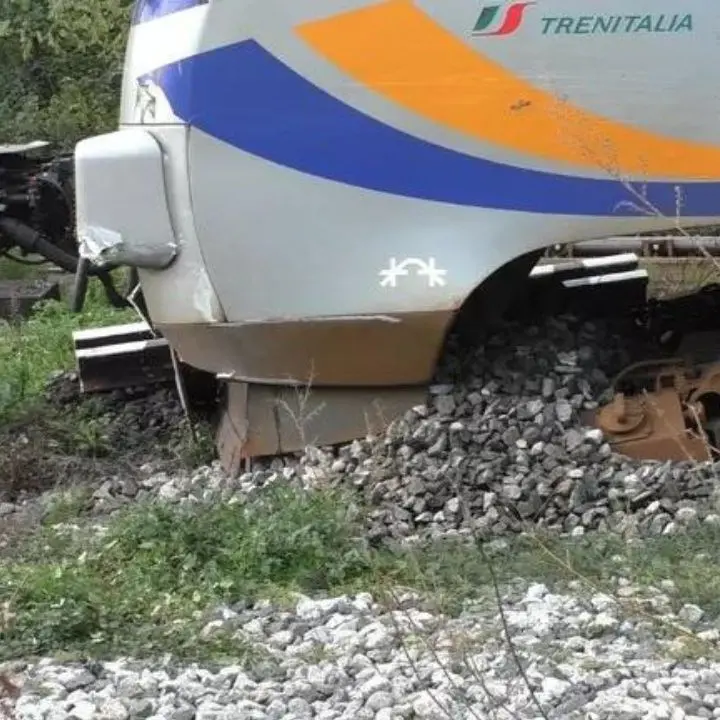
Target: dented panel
[183, 292]
[122, 211]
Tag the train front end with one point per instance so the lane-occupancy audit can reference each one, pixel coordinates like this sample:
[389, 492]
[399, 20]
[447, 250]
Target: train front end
[312, 190]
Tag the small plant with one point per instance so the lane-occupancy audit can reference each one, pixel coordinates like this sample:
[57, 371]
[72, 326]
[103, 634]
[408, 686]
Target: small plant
[90, 438]
[31, 351]
[197, 448]
[65, 506]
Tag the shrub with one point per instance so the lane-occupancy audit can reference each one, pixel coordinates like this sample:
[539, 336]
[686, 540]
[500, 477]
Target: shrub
[60, 68]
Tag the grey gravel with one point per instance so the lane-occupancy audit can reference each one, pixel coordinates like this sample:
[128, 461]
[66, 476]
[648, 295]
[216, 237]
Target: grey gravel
[585, 657]
[500, 446]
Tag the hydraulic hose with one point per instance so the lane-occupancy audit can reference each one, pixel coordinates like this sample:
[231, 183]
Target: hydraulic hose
[33, 242]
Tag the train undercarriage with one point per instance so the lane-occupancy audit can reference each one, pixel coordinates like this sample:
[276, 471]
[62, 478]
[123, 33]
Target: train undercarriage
[37, 218]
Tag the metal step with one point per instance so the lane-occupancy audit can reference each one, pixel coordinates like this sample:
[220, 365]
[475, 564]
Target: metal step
[596, 286]
[121, 356]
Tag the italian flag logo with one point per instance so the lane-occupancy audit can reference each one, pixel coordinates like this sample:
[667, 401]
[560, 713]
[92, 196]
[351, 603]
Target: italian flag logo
[500, 19]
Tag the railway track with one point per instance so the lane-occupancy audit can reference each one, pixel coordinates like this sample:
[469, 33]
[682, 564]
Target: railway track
[650, 246]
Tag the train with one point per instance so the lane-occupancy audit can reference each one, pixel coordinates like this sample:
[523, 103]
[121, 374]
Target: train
[311, 193]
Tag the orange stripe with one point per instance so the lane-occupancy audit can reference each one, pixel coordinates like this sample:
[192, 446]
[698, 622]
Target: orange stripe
[398, 51]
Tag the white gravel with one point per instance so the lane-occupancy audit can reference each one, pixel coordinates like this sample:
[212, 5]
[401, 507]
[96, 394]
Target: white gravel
[349, 658]
[510, 439]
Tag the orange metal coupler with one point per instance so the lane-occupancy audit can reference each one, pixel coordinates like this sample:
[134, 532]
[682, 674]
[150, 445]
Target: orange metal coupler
[672, 412]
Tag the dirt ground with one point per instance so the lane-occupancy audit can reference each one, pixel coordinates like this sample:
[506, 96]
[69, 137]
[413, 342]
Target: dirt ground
[68, 441]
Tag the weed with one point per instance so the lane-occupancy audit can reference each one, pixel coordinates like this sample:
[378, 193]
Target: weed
[67, 505]
[199, 449]
[688, 648]
[30, 352]
[141, 583]
[145, 585]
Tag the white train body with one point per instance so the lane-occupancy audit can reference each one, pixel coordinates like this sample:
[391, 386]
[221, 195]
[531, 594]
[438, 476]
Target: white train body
[312, 189]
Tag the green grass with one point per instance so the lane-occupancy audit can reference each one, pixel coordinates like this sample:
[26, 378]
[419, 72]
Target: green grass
[138, 588]
[30, 351]
[11, 270]
[68, 505]
[146, 586]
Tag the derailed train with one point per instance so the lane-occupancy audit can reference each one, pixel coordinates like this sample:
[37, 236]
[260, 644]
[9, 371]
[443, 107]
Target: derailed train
[311, 191]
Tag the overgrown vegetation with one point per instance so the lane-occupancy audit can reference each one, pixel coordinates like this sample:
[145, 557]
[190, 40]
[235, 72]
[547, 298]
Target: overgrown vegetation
[60, 68]
[31, 350]
[60, 72]
[149, 584]
[52, 438]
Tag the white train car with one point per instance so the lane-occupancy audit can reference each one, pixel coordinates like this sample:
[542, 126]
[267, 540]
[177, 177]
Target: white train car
[311, 190]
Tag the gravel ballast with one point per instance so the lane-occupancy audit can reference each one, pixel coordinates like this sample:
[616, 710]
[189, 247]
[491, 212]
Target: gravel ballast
[349, 658]
[501, 447]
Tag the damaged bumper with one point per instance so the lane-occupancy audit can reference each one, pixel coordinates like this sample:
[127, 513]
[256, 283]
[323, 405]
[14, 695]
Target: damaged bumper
[123, 215]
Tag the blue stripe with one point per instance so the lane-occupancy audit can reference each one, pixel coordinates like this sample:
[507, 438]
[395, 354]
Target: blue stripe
[246, 97]
[152, 9]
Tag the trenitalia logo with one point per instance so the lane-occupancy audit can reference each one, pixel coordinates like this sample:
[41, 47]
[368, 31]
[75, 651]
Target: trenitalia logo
[504, 20]
[499, 20]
